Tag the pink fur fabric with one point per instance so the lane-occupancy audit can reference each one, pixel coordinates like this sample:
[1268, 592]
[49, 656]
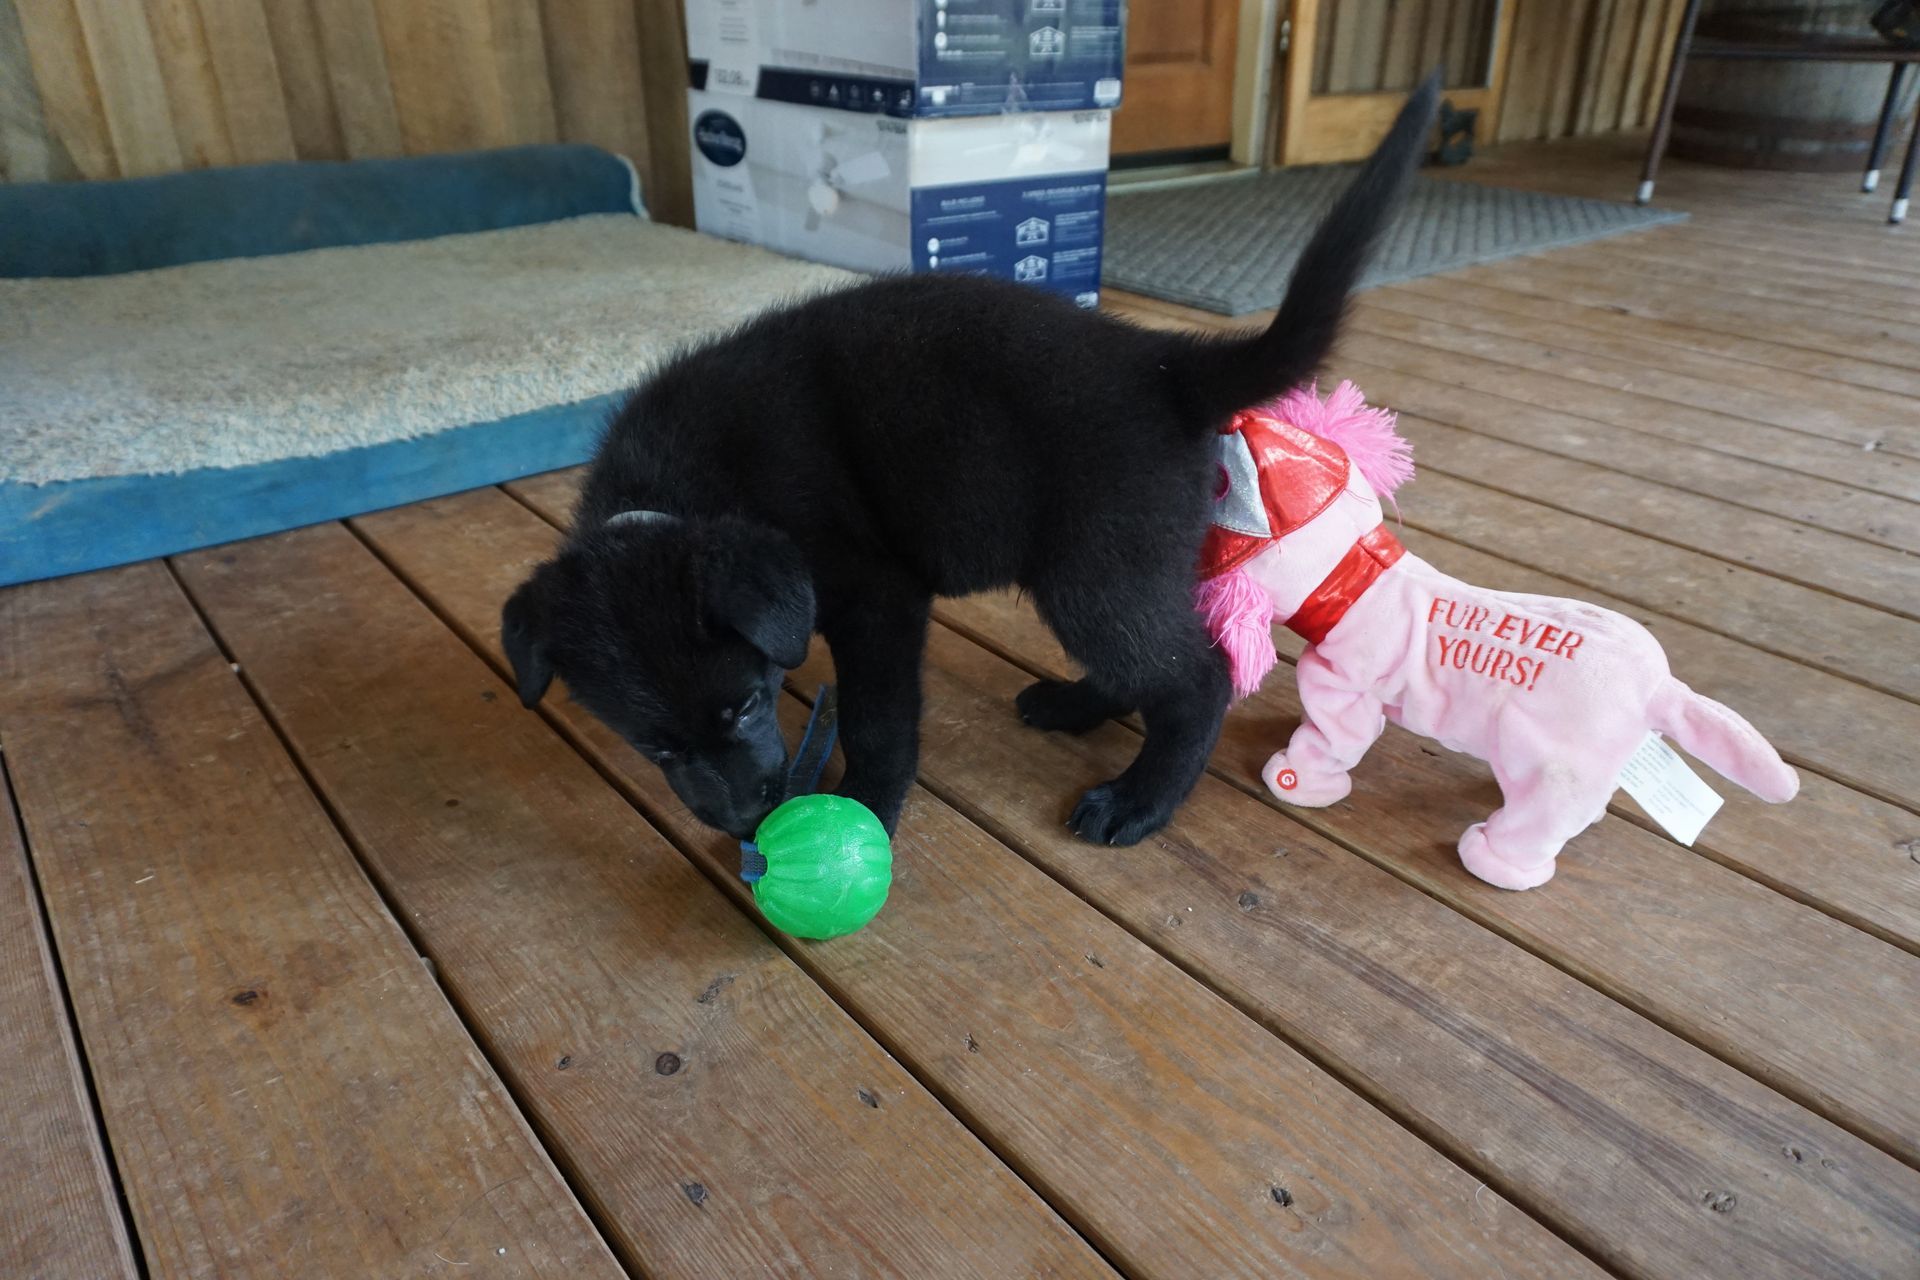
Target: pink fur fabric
[1239, 617]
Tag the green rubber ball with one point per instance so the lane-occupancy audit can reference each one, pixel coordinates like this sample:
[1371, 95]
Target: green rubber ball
[829, 865]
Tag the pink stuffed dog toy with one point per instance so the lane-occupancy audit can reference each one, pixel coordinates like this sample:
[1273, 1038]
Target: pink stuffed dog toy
[1556, 695]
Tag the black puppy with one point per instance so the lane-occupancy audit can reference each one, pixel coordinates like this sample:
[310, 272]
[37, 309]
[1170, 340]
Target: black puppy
[839, 463]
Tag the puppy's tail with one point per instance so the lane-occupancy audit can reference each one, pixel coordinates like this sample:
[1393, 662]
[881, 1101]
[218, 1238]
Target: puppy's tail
[1223, 376]
[1721, 737]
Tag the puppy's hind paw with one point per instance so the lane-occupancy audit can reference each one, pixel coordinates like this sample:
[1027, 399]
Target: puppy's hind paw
[1059, 706]
[1109, 815]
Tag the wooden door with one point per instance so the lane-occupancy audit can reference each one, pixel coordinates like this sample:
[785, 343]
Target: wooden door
[1178, 94]
[1350, 63]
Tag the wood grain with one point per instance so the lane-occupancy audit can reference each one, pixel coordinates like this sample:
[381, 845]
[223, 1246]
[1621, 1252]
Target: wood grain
[356, 61]
[193, 88]
[126, 74]
[1604, 312]
[240, 44]
[285, 1088]
[300, 56]
[151, 86]
[749, 1148]
[1055, 1033]
[1706, 465]
[1761, 393]
[1808, 1015]
[1589, 1117]
[59, 1213]
[1874, 577]
[29, 149]
[1632, 398]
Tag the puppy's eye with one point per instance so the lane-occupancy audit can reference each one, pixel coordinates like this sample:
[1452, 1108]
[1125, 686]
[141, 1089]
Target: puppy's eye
[660, 755]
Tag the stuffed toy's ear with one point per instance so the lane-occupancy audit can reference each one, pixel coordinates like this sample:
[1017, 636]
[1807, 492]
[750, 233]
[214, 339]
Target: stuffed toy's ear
[523, 633]
[754, 583]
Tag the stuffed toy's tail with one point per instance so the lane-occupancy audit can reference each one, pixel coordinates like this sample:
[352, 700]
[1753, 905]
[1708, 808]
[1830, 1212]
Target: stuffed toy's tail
[1721, 738]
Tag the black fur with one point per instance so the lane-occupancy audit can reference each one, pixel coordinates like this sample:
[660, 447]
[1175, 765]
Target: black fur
[841, 462]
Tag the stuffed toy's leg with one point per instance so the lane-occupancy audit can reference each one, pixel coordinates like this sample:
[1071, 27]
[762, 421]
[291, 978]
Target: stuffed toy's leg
[1338, 724]
[1545, 807]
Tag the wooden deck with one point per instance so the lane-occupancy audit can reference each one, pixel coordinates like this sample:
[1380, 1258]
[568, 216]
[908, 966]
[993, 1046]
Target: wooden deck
[321, 957]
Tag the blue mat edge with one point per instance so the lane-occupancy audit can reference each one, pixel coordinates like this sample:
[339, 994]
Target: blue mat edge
[49, 531]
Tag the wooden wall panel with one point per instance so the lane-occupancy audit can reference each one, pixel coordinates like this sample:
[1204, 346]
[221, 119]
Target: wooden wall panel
[115, 88]
[1586, 66]
[1573, 66]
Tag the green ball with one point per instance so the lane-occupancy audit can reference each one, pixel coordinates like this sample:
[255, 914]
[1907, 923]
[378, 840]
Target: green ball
[829, 865]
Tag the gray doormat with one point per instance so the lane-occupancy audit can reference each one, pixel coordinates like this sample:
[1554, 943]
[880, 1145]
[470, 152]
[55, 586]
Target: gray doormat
[1229, 246]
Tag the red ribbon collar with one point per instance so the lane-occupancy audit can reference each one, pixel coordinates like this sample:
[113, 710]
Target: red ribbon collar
[1360, 568]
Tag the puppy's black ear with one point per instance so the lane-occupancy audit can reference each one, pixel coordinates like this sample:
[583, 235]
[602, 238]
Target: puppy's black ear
[754, 583]
[523, 633]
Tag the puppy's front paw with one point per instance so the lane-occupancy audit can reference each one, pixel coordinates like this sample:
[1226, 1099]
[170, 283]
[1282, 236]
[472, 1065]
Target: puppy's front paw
[1110, 814]
[1059, 706]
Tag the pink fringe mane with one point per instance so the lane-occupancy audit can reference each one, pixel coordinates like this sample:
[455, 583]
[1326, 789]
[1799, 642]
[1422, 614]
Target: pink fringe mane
[1365, 434]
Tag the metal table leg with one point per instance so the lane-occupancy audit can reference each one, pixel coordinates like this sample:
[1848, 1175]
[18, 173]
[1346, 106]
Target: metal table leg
[1884, 129]
[1663, 124]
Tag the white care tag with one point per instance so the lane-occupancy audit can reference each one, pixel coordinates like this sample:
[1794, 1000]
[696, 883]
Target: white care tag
[1671, 793]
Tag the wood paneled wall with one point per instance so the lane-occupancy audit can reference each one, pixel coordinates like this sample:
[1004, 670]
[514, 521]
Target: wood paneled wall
[1586, 66]
[1573, 66]
[118, 88]
[1373, 46]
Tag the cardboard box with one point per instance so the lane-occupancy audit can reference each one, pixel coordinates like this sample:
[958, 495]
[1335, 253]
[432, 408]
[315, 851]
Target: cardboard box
[911, 58]
[1020, 197]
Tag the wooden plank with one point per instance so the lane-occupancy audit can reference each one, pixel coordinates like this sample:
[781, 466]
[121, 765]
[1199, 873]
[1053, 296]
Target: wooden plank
[1590, 1117]
[1749, 262]
[1575, 19]
[29, 149]
[192, 88]
[663, 75]
[59, 1213]
[593, 47]
[1821, 297]
[1592, 388]
[521, 101]
[126, 74]
[1810, 627]
[1871, 576]
[284, 1086]
[585, 947]
[63, 74]
[356, 60]
[1609, 918]
[1633, 91]
[1613, 315]
[1860, 417]
[1110, 1075]
[1400, 57]
[251, 93]
[1762, 486]
[299, 54]
[441, 73]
